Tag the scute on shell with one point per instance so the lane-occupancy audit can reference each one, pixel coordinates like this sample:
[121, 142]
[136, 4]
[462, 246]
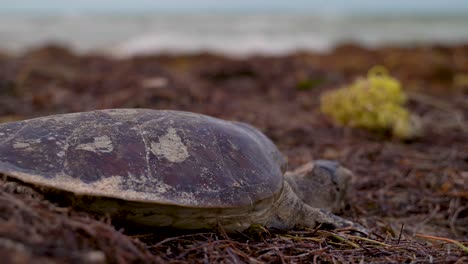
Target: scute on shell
[166, 157]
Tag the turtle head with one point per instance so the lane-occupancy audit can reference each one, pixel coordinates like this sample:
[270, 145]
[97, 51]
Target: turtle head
[321, 184]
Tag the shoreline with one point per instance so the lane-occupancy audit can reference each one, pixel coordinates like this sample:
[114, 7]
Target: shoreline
[113, 54]
[237, 34]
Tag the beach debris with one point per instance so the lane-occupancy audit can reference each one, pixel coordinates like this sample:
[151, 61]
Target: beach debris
[375, 103]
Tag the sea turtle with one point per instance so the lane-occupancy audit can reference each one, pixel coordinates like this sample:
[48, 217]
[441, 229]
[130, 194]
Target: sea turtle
[171, 169]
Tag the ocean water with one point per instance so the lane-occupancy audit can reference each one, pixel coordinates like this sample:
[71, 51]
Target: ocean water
[235, 27]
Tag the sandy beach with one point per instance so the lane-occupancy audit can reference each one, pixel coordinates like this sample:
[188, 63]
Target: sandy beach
[401, 189]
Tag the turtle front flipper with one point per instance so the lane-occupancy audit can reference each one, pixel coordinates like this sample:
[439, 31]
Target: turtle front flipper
[291, 211]
[313, 217]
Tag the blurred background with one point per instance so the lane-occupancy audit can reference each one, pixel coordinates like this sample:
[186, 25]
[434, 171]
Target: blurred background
[235, 27]
[268, 63]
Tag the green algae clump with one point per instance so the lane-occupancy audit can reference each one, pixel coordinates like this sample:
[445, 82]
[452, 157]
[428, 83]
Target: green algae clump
[375, 103]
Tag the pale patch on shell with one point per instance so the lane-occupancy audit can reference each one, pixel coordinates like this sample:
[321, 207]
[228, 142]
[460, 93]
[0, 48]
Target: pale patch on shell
[120, 112]
[107, 187]
[149, 184]
[21, 145]
[64, 147]
[101, 144]
[57, 118]
[25, 145]
[170, 146]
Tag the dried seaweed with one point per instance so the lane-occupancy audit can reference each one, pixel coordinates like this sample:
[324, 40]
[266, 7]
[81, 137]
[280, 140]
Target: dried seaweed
[401, 188]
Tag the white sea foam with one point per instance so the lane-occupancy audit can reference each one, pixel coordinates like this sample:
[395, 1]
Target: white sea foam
[227, 33]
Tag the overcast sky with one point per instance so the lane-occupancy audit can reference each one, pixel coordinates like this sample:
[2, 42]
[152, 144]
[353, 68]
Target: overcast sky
[312, 6]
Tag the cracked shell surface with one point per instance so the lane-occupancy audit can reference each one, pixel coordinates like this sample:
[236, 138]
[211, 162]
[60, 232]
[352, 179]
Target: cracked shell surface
[156, 156]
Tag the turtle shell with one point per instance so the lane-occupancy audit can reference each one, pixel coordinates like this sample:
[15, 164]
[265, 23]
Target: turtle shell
[164, 157]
